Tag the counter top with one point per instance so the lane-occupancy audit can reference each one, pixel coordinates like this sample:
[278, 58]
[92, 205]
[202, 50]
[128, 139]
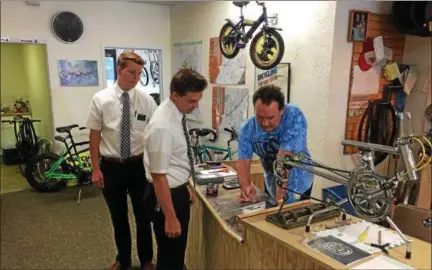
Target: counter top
[296, 239]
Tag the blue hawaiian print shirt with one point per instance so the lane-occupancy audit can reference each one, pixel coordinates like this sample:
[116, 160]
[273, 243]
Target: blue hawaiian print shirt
[290, 135]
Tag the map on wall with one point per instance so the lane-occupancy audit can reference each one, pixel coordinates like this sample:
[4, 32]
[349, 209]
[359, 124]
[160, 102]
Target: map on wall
[150, 77]
[223, 70]
[188, 54]
[229, 107]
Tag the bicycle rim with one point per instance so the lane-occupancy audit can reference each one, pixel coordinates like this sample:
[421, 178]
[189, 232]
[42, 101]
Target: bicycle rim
[266, 54]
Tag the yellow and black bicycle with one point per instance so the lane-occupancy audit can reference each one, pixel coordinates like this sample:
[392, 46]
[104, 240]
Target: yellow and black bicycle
[267, 46]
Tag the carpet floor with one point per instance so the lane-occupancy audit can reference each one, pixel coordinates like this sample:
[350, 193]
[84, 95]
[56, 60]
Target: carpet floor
[50, 231]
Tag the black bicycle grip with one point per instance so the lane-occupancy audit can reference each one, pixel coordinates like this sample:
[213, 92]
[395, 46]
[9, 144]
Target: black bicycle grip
[215, 136]
[81, 128]
[228, 130]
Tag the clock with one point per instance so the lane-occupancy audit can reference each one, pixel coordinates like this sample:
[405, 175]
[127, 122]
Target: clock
[67, 27]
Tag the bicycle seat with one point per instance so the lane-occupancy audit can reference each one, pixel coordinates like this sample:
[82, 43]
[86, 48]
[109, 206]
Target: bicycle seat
[66, 129]
[240, 3]
[60, 138]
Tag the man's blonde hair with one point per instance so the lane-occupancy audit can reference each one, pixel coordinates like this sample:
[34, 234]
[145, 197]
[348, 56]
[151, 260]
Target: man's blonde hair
[126, 56]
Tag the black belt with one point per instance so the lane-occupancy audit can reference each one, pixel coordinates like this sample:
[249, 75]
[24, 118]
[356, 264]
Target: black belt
[123, 161]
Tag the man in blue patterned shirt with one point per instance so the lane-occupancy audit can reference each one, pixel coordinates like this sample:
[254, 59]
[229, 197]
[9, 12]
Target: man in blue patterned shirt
[276, 129]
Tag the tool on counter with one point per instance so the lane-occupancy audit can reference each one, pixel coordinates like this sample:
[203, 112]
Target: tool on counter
[362, 237]
[379, 245]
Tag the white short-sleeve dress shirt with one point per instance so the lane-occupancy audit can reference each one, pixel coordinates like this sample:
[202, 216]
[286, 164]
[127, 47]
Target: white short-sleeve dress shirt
[105, 114]
[165, 147]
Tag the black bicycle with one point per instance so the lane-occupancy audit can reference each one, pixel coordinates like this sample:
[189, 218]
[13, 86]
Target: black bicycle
[28, 143]
[267, 47]
[50, 171]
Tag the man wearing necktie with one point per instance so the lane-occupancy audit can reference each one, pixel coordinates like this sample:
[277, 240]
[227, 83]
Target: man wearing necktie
[117, 118]
[168, 159]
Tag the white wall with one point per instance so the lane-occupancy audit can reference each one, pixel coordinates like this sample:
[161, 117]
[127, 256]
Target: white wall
[418, 54]
[106, 23]
[308, 36]
[339, 83]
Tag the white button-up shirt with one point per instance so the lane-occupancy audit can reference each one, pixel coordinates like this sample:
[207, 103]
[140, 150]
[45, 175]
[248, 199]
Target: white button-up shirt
[105, 114]
[165, 147]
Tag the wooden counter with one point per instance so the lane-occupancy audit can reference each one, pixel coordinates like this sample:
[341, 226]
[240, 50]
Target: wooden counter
[253, 243]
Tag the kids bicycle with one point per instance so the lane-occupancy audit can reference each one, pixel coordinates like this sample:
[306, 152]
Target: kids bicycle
[48, 172]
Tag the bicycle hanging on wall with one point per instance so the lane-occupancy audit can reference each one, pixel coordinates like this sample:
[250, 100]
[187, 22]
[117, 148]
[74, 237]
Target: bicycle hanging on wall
[267, 46]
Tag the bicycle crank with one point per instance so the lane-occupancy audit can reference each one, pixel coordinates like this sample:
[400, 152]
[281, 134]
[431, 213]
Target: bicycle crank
[367, 196]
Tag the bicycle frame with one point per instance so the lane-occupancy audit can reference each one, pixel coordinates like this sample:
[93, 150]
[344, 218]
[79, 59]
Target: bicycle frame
[245, 22]
[64, 156]
[228, 151]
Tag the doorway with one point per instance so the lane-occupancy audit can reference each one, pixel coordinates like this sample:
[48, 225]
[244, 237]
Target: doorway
[25, 93]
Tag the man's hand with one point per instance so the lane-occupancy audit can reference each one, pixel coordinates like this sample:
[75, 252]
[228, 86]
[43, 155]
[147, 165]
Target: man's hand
[97, 178]
[172, 228]
[247, 193]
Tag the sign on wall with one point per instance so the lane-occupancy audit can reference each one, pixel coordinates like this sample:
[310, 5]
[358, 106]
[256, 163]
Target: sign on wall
[279, 76]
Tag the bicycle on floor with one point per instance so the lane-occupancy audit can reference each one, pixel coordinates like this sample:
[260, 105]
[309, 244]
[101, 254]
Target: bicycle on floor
[203, 152]
[58, 169]
[27, 141]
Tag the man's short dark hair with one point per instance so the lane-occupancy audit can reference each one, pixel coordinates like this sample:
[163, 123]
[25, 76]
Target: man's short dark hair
[268, 94]
[187, 80]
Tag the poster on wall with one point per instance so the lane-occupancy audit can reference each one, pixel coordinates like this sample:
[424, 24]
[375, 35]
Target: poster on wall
[279, 76]
[224, 71]
[151, 77]
[188, 54]
[78, 73]
[229, 107]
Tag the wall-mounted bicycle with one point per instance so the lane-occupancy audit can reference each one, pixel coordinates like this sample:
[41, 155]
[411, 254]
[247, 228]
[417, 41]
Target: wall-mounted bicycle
[267, 47]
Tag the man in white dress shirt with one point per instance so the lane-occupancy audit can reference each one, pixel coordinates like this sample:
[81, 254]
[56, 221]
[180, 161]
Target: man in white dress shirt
[168, 161]
[117, 118]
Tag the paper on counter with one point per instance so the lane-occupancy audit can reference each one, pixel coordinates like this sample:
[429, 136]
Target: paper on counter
[382, 262]
[350, 233]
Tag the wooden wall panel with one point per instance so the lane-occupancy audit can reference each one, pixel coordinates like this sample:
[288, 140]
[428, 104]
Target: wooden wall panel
[378, 25]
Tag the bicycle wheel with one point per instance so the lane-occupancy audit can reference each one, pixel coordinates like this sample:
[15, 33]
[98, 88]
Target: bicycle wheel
[267, 50]
[144, 80]
[154, 71]
[44, 146]
[35, 173]
[227, 45]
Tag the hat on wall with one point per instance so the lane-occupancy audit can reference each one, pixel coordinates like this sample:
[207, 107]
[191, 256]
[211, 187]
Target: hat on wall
[367, 57]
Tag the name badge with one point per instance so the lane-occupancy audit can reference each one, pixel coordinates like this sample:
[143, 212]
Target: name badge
[141, 117]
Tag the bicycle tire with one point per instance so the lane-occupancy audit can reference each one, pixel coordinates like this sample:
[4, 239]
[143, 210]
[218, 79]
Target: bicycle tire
[144, 76]
[236, 50]
[155, 77]
[254, 55]
[51, 187]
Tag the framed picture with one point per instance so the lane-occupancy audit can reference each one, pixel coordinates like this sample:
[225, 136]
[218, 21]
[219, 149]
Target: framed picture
[279, 76]
[358, 25]
[76, 73]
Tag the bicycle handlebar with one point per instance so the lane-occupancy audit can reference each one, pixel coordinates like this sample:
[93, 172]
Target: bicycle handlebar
[233, 133]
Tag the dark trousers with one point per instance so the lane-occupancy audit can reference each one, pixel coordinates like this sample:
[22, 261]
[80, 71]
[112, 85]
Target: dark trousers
[121, 179]
[171, 251]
